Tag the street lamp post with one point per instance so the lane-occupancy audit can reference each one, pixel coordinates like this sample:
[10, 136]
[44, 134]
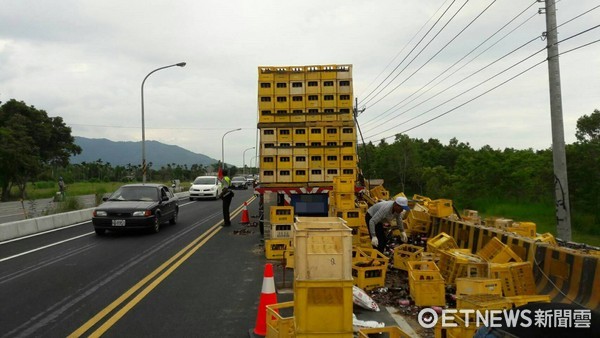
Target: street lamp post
[244, 160]
[180, 64]
[223, 147]
[255, 164]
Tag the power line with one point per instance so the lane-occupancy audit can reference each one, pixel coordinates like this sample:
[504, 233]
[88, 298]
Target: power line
[437, 53]
[493, 88]
[422, 102]
[407, 55]
[403, 48]
[391, 109]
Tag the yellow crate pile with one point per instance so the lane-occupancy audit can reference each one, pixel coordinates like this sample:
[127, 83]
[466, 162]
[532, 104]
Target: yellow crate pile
[343, 204]
[281, 222]
[322, 282]
[306, 122]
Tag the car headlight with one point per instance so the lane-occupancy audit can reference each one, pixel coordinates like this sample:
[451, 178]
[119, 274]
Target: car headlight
[99, 213]
[142, 213]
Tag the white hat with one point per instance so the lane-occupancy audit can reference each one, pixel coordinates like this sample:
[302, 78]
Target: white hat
[403, 202]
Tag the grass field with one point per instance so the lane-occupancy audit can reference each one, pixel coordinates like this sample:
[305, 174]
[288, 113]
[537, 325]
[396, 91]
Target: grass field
[543, 215]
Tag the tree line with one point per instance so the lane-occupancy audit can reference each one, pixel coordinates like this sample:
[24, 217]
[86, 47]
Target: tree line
[457, 171]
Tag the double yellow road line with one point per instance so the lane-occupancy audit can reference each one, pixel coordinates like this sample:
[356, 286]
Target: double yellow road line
[154, 279]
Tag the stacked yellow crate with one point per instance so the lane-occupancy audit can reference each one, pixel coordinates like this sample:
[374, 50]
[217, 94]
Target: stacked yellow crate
[322, 277]
[281, 222]
[305, 114]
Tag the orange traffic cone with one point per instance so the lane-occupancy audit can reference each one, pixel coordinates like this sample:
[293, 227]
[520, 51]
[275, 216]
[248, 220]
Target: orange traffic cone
[267, 297]
[245, 218]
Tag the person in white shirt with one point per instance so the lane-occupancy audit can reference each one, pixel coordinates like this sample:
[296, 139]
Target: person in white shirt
[382, 212]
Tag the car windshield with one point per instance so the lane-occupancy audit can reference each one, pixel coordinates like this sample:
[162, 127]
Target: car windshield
[238, 179]
[135, 194]
[205, 180]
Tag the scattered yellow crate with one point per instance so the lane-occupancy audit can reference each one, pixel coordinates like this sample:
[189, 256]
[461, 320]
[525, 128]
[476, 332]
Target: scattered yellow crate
[494, 251]
[275, 248]
[442, 241]
[517, 278]
[522, 300]
[391, 331]
[418, 222]
[546, 238]
[405, 253]
[440, 208]
[527, 229]
[427, 287]
[483, 302]
[456, 263]
[478, 285]
[283, 214]
[461, 330]
[277, 325]
[369, 268]
[421, 199]
[354, 217]
[379, 193]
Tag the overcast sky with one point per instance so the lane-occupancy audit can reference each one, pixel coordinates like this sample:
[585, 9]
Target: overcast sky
[85, 61]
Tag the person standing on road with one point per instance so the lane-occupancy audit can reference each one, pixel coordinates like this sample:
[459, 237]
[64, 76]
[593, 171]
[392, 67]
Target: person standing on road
[61, 187]
[226, 196]
[385, 211]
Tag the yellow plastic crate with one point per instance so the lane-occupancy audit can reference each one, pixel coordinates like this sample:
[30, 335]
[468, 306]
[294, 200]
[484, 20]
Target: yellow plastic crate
[427, 287]
[405, 253]
[517, 278]
[483, 302]
[354, 217]
[522, 300]
[379, 193]
[323, 307]
[418, 222]
[275, 248]
[277, 325]
[478, 285]
[288, 255]
[462, 330]
[343, 185]
[323, 248]
[527, 229]
[440, 207]
[546, 238]
[456, 263]
[442, 241]
[369, 268]
[421, 199]
[494, 251]
[283, 214]
[390, 331]
[281, 231]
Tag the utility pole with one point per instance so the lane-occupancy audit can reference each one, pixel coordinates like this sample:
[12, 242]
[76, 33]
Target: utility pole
[559, 158]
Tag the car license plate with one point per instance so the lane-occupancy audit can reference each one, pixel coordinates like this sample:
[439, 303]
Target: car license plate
[118, 222]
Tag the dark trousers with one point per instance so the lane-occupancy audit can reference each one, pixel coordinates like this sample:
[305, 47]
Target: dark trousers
[226, 203]
[379, 233]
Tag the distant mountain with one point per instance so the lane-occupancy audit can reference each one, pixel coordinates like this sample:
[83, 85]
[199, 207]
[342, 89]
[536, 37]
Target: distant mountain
[123, 153]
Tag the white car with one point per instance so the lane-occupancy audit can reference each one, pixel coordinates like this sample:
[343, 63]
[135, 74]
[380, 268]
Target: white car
[205, 187]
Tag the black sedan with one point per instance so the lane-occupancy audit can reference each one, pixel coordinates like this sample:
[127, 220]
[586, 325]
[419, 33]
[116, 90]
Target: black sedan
[136, 206]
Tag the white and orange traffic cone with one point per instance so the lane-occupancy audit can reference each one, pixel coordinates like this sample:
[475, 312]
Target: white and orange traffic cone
[267, 297]
[245, 218]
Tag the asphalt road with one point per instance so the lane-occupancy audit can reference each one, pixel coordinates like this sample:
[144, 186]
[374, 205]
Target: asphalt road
[192, 279]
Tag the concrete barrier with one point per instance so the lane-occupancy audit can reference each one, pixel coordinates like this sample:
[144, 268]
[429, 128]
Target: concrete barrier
[12, 230]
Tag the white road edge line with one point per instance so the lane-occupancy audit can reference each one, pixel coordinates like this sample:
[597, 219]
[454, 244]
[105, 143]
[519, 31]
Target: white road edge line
[44, 232]
[44, 247]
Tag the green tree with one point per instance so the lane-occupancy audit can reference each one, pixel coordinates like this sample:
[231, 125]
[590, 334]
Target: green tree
[30, 141]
